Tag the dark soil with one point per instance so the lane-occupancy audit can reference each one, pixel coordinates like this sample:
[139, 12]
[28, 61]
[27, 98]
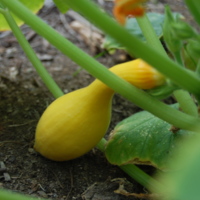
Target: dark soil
[23, 98]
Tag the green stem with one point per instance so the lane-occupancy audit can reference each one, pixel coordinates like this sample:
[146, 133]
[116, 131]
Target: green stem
[139, 97]
[183, 97]
[6, 195]
[101, 145]
[141, 177]
[155, 58]
[150, 35]
[135, 172]
[47, 79]
[186, 102]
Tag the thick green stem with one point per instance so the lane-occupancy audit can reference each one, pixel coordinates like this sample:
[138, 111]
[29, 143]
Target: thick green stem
[150, 35]
[186, 102]
[135, 95]
[101, 145]
[141, 177]
[156, 58]
[47, 79]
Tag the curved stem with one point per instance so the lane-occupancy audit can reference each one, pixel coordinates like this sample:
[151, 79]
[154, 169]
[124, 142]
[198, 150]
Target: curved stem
[47, 79]
[141, 177]
[135, 172]
[186, 102]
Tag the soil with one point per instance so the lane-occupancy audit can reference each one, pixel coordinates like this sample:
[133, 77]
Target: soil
[24, 97]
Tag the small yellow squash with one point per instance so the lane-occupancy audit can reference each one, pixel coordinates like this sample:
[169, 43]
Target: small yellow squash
[74, 123]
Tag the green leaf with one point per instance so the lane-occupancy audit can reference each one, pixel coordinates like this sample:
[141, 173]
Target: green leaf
[34, 6]
[61, 5]
[189, 62]
[156, 20]
[143, 139]
[193, 50]
[173, 43]
[183, 31]
[163, 91]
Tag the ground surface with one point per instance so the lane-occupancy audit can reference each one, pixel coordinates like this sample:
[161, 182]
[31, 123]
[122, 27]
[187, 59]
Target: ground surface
[23, 98]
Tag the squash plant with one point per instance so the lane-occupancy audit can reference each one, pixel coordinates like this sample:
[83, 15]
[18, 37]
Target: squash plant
[139, 140]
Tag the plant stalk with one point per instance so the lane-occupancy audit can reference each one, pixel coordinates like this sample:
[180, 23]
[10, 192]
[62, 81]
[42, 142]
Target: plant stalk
[186, 102]
[141, 177]
[46, 78]
[135, 172]
[150, 35]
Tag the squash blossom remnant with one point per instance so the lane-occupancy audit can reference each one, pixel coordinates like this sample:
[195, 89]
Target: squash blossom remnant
[125, 8]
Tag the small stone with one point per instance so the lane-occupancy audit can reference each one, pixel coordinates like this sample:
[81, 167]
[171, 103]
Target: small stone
[31, 151]
[6, 177]
[42, 194]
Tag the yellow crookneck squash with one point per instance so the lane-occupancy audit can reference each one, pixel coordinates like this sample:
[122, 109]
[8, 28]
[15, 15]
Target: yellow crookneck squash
[74, 123]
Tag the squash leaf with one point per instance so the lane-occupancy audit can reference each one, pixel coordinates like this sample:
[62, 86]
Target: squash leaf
[61, 5]
[156, 20]
[143, 139]
[34, 6]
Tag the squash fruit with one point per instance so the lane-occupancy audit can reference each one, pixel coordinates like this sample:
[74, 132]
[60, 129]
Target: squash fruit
[74, 123]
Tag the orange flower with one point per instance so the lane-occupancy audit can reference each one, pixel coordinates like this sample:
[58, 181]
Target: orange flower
[124, 8]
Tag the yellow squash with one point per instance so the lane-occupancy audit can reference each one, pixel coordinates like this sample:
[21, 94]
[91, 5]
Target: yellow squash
[74, 123]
